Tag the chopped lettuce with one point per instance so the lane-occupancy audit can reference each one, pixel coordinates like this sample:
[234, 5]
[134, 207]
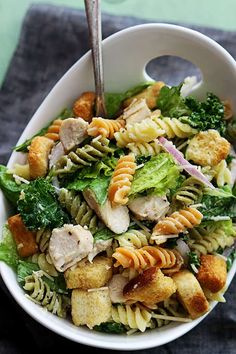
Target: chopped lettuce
[66, 113]
[158, 176]
[114, 100]
[230, 260]
[39, 207]
[8, 250]
[103, 234]
[9, 187]
[26, 268]
[110, 327]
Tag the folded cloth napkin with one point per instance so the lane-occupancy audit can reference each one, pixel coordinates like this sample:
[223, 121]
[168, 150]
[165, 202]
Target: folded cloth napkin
[52, 39]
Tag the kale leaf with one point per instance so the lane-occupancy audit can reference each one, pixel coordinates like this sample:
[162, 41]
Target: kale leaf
[230, 260]
[193, 260]
[39, 207]
[9, 187]
[110, 327]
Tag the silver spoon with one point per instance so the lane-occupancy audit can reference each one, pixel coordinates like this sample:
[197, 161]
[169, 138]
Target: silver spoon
[93, 13]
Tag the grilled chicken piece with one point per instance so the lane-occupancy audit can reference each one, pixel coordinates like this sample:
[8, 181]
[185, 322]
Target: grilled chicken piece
[72, 132]
[115, 218]
[116, 286]
[98, 247]
[57, 152]
[149, 208]
[68, 245]
[136, 111]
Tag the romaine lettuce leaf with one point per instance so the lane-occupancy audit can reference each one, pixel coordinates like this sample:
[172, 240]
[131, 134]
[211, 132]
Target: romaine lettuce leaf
[171, 103]
[9, 187]
[103, 234]
[158, 176]
[8, 251]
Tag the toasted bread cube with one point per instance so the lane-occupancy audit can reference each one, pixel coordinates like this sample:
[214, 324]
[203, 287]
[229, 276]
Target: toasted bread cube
[83, 106]
[24, 239]
[90, 308]
[212, 273]
[207, 148]
[152, 286]
[88, 275]
[190, 293]
[38, 156]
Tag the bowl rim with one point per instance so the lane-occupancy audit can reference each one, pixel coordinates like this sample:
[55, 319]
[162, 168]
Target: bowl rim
[96, 339]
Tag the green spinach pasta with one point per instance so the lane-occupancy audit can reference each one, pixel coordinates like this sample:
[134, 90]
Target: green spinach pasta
[125, 223]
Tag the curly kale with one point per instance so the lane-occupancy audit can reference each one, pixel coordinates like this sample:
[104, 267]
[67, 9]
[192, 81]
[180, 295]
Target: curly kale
[39, 207]
[111, 327]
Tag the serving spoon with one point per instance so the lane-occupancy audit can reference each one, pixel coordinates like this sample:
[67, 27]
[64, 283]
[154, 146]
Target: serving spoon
[93, 14]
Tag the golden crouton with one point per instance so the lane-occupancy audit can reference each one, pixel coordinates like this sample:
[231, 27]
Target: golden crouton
[90, 308]
[24, 239]
[83, 106]
[151, 94]
[190, 293]
[152, 286]
[207, 148]
[39, 150]
[212, 273]
[88, 275]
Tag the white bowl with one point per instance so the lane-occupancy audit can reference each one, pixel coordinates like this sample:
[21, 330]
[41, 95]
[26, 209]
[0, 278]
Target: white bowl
[126, 54]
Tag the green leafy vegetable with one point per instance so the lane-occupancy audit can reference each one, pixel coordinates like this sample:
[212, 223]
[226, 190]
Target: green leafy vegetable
[9, 187]
[8, 251]
[171, 103]
[38, 206]
[66, 113]
[26, 268]
[110, 327]
[103, 234]
[230, 260]
[114, 100]
[229, 159]
[231, 131]
[193, 259]
[157, 176]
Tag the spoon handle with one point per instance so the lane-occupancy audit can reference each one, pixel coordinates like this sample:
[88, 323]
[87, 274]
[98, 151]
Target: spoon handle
[93, 13]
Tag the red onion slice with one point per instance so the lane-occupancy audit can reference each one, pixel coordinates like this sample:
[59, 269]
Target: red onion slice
[187, 166]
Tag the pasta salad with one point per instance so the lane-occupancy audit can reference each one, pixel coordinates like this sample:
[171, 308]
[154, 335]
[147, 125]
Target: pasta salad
[125, 223]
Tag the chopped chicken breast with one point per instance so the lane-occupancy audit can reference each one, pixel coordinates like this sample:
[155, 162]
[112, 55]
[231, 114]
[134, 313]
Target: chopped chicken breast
[72, 132]
[149, 208]
[115, 218]
[57, 152]
[136, 111]
[68, 245]
[98, 247]
[116, 286]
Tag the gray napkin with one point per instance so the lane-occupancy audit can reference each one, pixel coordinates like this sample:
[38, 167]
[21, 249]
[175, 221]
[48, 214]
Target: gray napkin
[52, 39]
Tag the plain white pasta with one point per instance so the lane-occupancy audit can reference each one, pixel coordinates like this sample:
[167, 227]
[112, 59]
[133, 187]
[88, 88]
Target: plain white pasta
[222, 174]
[134, 317]
[146, 149]
[174, 128]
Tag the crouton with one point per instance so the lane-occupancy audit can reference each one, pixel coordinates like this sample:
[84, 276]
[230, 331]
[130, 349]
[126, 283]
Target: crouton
[190, 293]
[212, 273]
[39, 150]
[150, 94]
[83, 106]
[151, 287]
[207, 148]
[88, 275]
[90, 308]
[24, 239]
[73, 132]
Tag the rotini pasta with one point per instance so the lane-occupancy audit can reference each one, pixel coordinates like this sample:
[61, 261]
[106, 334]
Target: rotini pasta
[43, 238]
[190, 192]
[222, 174]
[145, 257]
[121, 180]
[145, 149]
[54, 129]
[131, 316]
[84, 156]
[178, 222]
[40, 292]
[210, 243]
[105, 127]
[174, 128]
[45, 263]
[80, 211]
[133, 239]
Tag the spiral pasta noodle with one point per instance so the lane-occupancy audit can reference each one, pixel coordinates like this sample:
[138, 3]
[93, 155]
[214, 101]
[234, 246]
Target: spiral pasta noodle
[222, 174]
[178, 222]
[105, 127]
[174, 128]
[133, 239]
[120, 183]
[54, 129]
[45, 263]
[43, 238]
[80, 211]
[84, 156]
[145, 257]
[132, 316]
[190, 192]
[40, 292]
[145, 149]
[210, 243]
